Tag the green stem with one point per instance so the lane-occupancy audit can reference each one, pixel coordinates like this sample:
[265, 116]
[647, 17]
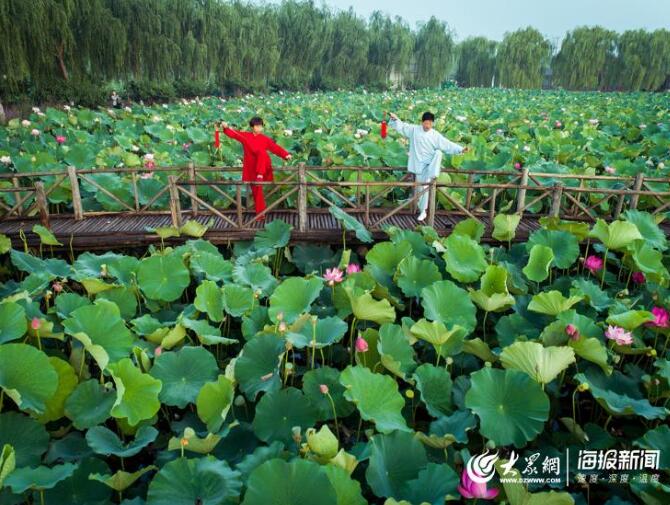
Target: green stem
[41, 496]
[602, 277]
[352, 343]
[332, 404]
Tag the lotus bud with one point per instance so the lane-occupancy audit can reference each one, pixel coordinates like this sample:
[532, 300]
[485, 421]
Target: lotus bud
[282, 327]
[409, 394]
[280, 316]
[158, 351]
[35, 324]
[183, 442]
[324, 389]
[652, 353]
[487, 364]
[296, 434]
[450, 360]
[288, 367]
[583, 387]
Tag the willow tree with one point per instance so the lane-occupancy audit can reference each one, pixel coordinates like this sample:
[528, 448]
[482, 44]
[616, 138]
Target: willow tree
[586, 58]
[433, 53]
[522, 58]
[391, 43]
[476, 62]
[643, 60]
[345, 60]
[304, 37]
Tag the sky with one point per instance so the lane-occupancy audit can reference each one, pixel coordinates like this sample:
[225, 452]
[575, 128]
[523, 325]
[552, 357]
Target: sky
[492, 18]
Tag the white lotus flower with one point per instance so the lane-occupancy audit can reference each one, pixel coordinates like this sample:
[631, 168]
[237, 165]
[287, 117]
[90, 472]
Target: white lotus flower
[610, 170]
[149, 157]
[462, 119]
[134, 148]
[318, 131]
[661, 165]
[170, 127]
[526, 148]
[41, 114]
[357, 135]
[156, 119]
[288, 133]
[362, 133]
[643, 126]
[36, 110]
[165, 106]
[594, 121]
[66, 108]
[25, 123]
[127, 109]
[5, 160]
[35, 132]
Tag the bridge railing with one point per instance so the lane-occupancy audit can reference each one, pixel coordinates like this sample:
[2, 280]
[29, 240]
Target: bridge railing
[372, 194]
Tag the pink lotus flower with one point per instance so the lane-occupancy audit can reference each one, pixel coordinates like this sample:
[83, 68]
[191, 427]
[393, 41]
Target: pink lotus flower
[517, 166]
[57, 287]
[619, 335]
[661, 318]
[361, 345]
[149, 164]
[610, 170]
[558, 124]
[572, 331]
[324, 389]
[638, 278]
[35, 324]
[185, 146]
[594, 264]
[158, 351]
[60, 139]
[474, 490]
[353, 268]
[146, 175]
[333, 276]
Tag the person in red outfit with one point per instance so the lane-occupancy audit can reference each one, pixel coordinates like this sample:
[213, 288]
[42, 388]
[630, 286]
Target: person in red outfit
[256, 163]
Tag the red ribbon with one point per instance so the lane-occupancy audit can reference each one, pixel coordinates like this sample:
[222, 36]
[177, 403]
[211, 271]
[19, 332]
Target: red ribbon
[384, 127]
[217, 139]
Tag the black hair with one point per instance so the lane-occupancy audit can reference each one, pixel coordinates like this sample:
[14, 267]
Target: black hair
[255, 121]
[428, 116]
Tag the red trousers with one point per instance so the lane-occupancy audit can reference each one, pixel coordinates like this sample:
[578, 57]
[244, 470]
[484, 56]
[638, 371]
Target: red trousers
[259, 198]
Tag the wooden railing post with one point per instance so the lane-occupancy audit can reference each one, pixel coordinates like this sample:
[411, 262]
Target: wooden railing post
[556, 196]
[42, 203]
[302, 198]
[15, 182]
[238, 204]
[432, 199]
[637, 187]
[76, 195]
[521, 194]
[191, 177]
[468, 192]
[492, 207]
[175, 206]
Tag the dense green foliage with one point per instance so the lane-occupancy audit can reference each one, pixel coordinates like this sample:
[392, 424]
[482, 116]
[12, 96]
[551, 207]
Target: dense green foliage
[476, 62]
[299, 375]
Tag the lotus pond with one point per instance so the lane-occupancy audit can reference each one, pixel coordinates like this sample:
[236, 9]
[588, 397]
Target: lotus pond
[271, 373]
[549, 132]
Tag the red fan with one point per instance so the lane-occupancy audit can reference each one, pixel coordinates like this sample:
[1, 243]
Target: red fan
[384, 127]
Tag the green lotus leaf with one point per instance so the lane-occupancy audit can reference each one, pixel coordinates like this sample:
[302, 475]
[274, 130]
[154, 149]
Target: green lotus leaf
[446, 342]
[648, 228]
[52, 267]
[504, 226]
[383, 259]
[465, 259]
[257, 367]
[67, 381]
[586, 326]
[395, 351]
[366, 308]
[493, 295]
[193, 228]
[517, 494]
[212, 265]
[124, 298]
[513, 326]
[237, 300]
[593, 295]
[630, 319]
[5, 244]
[539, 263]
[78, 489]
[13, 322]
[435, 385]
[28, 438]
[512, 408]
[310, 258]
[104, 441]
[316, 332]
[657, 439]
[121, 480]
[473, 228]
[27, 376]
[330, 377]
[256, 276]
[89, 404]
[647, 259]
[593, 350]
[376, 396]
[616, 235]
[348, 490]
[38, 478]
[186, 481]
[479, 348]
[206, 333]
[260, 455]
[7, 462]
[279, 411]
[101, 330]
[46, 236]
[542, 364]
[190, 441]
[619, 394]
[563, 245]
[323, 445]
[395, 460]
[183, 373]
[214, 401]
[455, 426]
[371, 358]
[209, 299]
[352, 224]
[274, 235]
[163, 278]
[459, 311]
[299, 482]
[552, 303]
[434, 484]
[136, 392]
[415, 274]
[293, 297]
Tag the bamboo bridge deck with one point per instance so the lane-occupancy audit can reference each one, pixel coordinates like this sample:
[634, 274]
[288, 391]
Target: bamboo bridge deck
[301, 197]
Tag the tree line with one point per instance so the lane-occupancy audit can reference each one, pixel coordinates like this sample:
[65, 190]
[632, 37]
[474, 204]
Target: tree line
[80, 49]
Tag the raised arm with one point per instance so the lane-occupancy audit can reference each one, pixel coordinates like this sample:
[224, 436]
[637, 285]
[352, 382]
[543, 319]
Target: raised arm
[401, 127]
[448, 146]
[277, 150]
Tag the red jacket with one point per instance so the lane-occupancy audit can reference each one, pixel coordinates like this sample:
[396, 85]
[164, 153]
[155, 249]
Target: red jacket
[256, 159]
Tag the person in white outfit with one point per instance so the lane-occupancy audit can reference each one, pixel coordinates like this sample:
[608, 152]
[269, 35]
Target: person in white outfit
[425, 152]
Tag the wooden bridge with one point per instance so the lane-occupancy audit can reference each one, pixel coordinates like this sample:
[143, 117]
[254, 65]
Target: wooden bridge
[115, 208]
